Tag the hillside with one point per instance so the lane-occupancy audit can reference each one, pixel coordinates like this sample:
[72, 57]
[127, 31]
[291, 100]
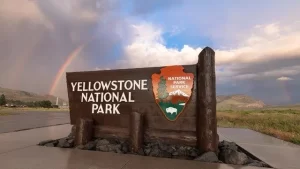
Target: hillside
[24, 96]
[238, 101]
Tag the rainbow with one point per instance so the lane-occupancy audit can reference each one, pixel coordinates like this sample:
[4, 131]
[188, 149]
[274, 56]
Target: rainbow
[63, 68]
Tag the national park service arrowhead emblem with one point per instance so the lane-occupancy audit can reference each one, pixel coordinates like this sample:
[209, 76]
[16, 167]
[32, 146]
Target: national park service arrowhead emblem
[172, 90]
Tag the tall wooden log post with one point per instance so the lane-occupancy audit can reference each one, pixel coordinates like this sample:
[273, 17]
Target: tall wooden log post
[84, 131]
[136, 131]
[207, 137]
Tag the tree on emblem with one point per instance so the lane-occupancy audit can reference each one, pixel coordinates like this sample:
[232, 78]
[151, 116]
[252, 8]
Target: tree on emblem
[162, 89]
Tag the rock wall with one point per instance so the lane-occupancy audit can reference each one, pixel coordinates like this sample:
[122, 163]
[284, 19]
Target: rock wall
[228, 152]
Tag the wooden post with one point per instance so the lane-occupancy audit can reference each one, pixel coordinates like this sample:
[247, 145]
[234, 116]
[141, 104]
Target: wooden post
[84, 131]
[136, 131]
[207, 138]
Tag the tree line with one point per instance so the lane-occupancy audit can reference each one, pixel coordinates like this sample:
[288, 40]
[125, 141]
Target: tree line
[43, 103]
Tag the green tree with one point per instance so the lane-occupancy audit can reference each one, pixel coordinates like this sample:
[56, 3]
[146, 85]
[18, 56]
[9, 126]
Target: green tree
[45, 104]
[2, 100]
[162, 88]
[30, 104]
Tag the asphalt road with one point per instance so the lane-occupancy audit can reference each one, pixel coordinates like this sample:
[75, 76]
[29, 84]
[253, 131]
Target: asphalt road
[32, 119]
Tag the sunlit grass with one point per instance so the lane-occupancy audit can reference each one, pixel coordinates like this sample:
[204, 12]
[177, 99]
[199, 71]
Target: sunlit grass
[283, 123]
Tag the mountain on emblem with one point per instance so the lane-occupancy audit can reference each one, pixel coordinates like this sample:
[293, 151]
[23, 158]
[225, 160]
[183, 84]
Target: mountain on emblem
[172, 89]
[179, 93]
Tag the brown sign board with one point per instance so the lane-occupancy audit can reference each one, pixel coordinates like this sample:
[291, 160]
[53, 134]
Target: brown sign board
[177, 102]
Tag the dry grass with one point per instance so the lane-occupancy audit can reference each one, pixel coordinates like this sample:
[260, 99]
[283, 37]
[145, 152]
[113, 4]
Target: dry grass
[7, 113]
[10, 111]
[283, 124]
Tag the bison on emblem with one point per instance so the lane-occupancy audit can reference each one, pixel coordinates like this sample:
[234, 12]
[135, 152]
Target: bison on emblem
[171, 110]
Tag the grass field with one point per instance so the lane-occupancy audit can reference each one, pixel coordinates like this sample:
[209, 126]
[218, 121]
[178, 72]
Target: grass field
[280, 122]
[9, 111]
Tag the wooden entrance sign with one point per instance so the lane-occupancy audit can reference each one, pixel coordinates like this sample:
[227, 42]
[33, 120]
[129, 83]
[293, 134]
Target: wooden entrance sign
[172, 104]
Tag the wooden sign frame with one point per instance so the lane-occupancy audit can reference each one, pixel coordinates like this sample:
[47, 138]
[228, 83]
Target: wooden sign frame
[139, 118]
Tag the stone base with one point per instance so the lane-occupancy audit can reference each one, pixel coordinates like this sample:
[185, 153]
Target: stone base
[229, 152]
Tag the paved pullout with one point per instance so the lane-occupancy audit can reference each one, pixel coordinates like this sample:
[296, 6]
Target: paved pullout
[32, 119]
[19, 150]
[275, 152]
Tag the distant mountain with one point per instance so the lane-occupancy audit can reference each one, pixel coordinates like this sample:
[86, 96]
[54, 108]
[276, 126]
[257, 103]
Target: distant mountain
[24, 96]
[178, 93]
[238, 101]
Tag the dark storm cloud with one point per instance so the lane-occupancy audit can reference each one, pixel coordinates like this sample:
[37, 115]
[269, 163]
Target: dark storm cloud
[36, 40]
[273, 81]
[272, 91]
[266, 66]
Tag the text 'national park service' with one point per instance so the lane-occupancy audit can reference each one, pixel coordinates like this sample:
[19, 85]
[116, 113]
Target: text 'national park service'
[106, 96]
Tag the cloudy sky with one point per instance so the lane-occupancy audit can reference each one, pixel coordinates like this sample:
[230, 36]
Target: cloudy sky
[257, 43]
